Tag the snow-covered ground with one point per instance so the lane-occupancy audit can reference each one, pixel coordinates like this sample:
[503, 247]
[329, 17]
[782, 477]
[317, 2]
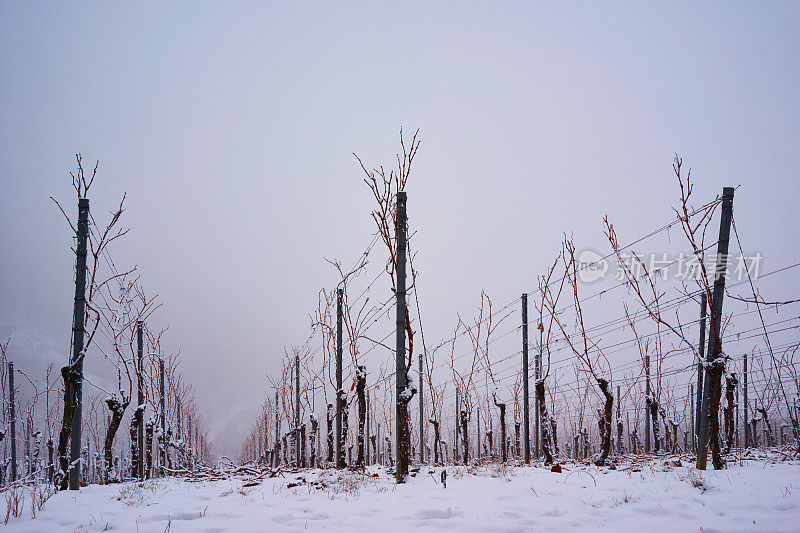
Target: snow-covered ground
[753, 496]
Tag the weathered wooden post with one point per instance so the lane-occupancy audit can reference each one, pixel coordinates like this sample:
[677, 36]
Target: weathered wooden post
[277, 452]
[297, 436]
[13, 416]
[339, 392]
[479, 440]
[746, 408]
[78, 324]
[140, 375]
[619, 423]
[710, 418]
[525, 380]
[647, 407]
[691, 416]
[455, 435]
[421, 416]
[700, 369]
[403, 440]
[162, 442]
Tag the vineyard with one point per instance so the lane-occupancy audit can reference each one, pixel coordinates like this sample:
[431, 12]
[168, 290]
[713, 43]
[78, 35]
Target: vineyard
[439, 267]
[583, 375]
[666, 373]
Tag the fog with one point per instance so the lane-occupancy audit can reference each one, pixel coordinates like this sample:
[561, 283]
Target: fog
[232, 128]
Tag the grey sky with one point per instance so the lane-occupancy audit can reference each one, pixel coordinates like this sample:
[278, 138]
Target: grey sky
[232, 126]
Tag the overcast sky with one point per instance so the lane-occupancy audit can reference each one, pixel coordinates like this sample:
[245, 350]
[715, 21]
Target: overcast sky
[231, 127]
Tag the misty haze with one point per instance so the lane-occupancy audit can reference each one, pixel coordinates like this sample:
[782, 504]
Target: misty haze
[422, 266]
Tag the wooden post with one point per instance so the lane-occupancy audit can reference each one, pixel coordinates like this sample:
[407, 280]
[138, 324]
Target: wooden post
[277, 454]
[700, 368]
[78, 324]
[525, 380]
[647, 406]
[537, 408]
[366, 444]
[140, 375]
[619, 422]
[297, 435]
[479, 439]
[421, 416]
[715, 334]
[403, 441]
[162, 444]
[339, 391]
[455, 435]
[691, 415]
[13, 415]
[746, 414]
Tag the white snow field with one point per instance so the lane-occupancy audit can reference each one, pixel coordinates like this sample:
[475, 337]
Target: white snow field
[753, 496]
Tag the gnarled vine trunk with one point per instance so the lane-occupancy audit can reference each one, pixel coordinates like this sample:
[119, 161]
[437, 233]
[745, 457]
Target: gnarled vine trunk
[652, 405]
[341, 461]
[117, 408]
[715, 394]
[136, 420]
[390, 457]
[770, 439]
[543, 415]
[585, 436]
[148, 439]
[730, 388]
[303, 450]
[435, 425]
[502, 407]
[667, 435]
[554, 434]
[329, 423]
[361, 383]
[465, 434]
[312, 440]
[605, 425]
[71, 377]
